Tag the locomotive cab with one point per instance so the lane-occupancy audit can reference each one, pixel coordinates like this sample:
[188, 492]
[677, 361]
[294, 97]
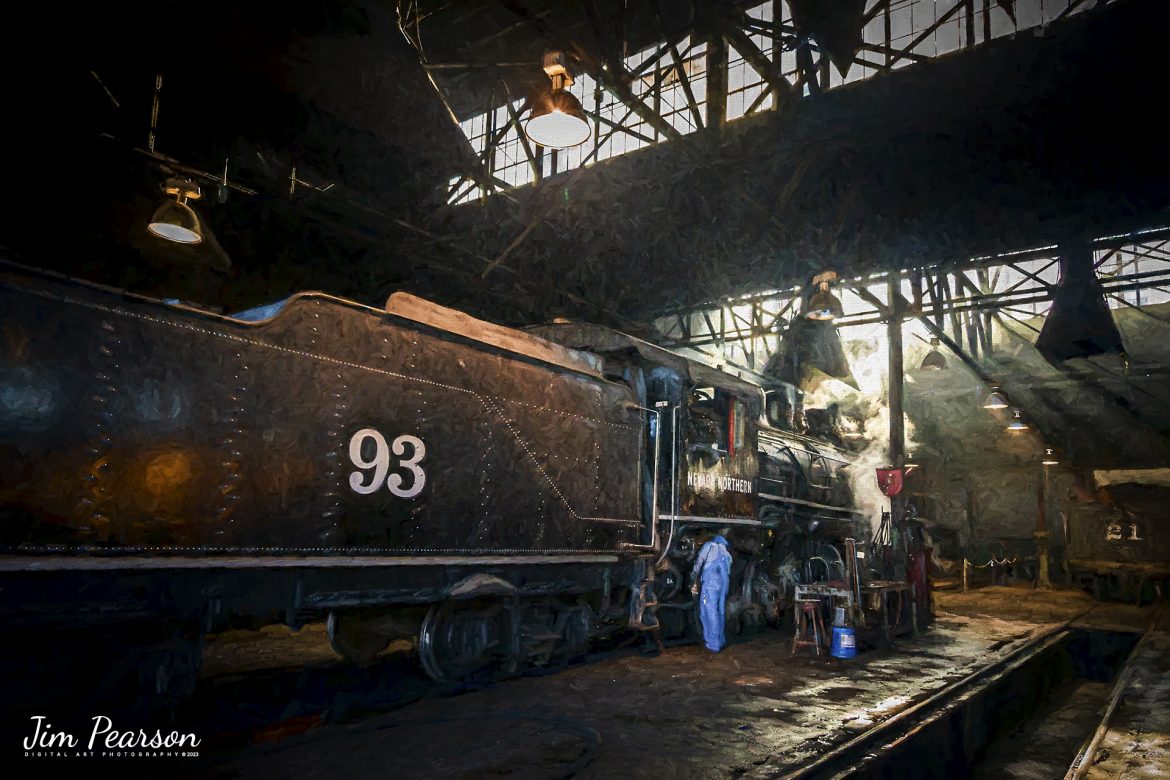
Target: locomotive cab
[706, 436]
[720, 460]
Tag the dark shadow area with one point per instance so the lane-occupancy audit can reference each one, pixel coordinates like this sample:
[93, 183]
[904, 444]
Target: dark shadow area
[1028, 721]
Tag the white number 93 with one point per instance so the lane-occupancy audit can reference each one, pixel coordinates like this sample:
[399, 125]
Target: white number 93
[381, 463]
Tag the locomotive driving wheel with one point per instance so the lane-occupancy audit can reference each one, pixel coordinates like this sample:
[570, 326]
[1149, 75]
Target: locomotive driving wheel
[457, 640]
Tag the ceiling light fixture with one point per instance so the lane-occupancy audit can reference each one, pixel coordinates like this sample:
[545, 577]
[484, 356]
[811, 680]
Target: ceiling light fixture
[823, 305]
[934, 360]
[1079, 324]
[1049, 457]
[995, 399]
[1017, 423]
[175, 220]
[557, 120]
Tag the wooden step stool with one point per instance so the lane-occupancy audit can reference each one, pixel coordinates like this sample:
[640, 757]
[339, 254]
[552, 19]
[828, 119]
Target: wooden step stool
[808, 621]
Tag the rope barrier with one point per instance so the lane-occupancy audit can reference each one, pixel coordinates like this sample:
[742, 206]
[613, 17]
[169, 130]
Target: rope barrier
[991, 562]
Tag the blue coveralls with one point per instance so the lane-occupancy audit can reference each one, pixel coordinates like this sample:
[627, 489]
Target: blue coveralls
[714, 565]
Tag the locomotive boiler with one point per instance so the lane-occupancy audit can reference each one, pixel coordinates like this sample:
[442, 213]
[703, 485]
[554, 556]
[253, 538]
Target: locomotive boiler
[733, 463]
[504, 497]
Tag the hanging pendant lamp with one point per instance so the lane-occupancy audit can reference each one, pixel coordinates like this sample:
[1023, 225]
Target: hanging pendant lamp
[1017, 423]
[1079, 324]
[934, 360]
[557, 119]
[995, 399]
[175, 220]
[822, 304]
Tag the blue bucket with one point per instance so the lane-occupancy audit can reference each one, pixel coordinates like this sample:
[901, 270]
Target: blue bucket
[844, 643]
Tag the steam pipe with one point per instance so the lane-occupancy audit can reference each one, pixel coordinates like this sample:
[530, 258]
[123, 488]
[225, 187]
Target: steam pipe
[828, 567]
[673, 482]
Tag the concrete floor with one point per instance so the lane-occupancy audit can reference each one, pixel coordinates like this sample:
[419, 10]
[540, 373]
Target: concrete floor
[751, 710]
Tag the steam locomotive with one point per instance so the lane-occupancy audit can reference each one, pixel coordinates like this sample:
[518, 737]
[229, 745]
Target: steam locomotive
[503, 497]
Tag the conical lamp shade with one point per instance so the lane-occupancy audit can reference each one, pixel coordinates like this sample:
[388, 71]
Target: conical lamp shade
[995, 401]
[837, 27]
[810, 351]
[1079, 324]
[934, 361]
[823, 305]
[557, 121]
[176, 222]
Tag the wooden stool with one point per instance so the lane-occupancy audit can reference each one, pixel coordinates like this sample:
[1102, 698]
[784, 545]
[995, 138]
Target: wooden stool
[808, 620]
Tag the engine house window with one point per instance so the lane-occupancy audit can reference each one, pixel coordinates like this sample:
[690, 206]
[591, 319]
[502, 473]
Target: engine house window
[718, 421]
[706, 428]
[779, 410]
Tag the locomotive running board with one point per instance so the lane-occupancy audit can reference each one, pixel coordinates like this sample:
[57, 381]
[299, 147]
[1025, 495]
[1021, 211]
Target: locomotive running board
[802, 502]
[711, 520]
[31, 564]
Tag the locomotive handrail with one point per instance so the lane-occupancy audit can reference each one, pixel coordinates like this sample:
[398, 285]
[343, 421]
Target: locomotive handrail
[673, 481]
[713, 520]
[802, 502]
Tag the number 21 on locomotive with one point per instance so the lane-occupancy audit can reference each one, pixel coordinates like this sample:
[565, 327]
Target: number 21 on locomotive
[401, 447]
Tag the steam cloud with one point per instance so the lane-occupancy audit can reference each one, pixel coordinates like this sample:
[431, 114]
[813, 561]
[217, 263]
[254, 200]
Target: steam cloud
[865, 414]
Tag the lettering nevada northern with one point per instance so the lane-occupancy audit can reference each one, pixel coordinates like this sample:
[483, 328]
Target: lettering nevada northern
[705, 480]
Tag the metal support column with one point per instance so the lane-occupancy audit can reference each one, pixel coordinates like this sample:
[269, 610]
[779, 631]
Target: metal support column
[716, 80]
[897, 426]
[1041, 533]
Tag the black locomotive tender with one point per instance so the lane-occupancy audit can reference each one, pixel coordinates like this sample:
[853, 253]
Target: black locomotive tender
[503, 496]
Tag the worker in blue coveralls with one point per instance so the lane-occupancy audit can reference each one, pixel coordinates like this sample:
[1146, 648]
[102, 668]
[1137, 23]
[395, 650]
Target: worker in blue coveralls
[712, 569]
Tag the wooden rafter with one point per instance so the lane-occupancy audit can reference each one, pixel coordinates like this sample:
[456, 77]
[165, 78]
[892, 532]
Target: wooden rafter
[615, 79]
[515, 116]
[679, 66]
[1074, 5]
[890, 51]
[619, 126]
[483, 173]
[747, 48]
[873, 11]
[612, 76]
[929, 31]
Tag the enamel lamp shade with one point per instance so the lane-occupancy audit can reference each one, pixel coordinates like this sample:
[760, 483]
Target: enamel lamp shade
[558, 121]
